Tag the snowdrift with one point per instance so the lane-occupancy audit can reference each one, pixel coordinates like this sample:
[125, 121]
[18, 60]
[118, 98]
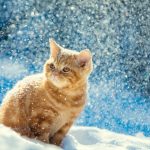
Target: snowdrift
[79, 138]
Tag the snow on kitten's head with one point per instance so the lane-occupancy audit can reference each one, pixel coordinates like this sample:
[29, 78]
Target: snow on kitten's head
[66, 67]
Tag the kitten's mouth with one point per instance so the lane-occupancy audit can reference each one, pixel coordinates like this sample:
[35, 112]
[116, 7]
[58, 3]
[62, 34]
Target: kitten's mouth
[57, 81]
[55, 78]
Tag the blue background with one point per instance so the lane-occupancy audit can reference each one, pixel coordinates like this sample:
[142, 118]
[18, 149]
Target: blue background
[118, 34]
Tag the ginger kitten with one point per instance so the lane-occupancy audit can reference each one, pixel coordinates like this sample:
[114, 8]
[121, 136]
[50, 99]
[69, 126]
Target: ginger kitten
[44, 106]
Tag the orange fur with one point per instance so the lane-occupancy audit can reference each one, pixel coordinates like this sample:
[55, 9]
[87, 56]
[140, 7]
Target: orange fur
[44, 106]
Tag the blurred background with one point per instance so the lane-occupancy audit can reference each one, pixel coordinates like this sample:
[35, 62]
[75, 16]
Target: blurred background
[116, 31]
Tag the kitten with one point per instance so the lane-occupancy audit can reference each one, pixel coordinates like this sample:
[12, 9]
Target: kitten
[44, 106]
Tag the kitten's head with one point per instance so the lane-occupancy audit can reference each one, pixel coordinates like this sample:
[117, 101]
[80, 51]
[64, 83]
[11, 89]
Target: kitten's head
[65, 67]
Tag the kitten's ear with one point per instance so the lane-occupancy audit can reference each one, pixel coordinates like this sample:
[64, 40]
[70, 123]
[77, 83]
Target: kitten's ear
[54, 48]
[84, 57]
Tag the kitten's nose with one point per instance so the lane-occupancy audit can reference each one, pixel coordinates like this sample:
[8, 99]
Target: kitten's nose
[56, 73]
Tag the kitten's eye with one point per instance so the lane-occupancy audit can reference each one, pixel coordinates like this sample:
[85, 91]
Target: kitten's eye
[52, 66]
[66, 69]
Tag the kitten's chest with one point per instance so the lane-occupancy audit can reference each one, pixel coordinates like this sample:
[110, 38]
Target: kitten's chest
[60, 120]
[53, 113]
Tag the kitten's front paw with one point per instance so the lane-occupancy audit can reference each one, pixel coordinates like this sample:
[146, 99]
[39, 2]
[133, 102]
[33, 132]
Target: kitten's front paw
[54, 141]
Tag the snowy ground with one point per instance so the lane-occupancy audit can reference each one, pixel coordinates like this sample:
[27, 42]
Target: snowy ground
[79, 138]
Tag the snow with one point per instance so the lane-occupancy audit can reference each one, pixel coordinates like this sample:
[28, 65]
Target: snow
[10, 69]
[79, 138]
[91, 138]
